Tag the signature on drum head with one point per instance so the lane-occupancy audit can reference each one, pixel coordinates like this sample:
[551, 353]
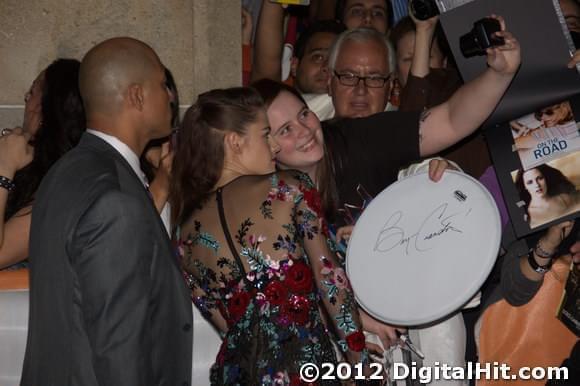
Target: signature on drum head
[437, 223]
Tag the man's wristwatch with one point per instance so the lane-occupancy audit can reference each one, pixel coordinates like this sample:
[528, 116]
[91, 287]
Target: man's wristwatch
[537, 267]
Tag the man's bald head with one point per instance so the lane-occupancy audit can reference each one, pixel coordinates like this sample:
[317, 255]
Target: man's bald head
[109, 68]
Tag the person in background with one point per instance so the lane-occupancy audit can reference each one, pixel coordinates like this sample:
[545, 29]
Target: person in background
[359, 70]
[518, 326]
[54, 120]
[308, 63]
[419, 44]
[571, 12]
[375, 14]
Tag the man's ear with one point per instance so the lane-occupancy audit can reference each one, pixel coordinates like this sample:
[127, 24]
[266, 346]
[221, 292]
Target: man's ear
[294, 62]
[233, 142]
[135, 96]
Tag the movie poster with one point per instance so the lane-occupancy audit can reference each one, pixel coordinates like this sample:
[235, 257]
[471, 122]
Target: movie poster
[548, 191]
[545, 135]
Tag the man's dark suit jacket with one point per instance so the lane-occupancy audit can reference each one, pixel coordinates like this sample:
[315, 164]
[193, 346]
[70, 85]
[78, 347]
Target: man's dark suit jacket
[108, 305]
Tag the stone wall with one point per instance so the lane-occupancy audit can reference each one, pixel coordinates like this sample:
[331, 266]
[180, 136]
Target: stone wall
[199, 40]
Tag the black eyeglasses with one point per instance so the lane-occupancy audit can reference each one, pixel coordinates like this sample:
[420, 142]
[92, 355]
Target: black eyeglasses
[352, 80]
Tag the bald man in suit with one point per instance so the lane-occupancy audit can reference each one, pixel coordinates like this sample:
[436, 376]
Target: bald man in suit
[108, 305]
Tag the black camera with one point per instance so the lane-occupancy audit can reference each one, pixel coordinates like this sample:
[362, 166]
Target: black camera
[424, 9]
[481, 37]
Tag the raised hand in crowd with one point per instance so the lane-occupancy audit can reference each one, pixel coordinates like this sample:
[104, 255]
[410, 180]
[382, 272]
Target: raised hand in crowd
[424, 32]
[247, 26]
[15, 151]
[268, 42]
[504, 59]
[15, 154]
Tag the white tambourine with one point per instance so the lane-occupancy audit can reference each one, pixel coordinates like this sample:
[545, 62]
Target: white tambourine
[422, 249]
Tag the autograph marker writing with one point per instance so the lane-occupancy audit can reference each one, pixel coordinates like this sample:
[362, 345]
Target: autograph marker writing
[436, 224]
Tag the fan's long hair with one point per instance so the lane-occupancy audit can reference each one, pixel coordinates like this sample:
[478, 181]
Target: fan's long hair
[63, 123]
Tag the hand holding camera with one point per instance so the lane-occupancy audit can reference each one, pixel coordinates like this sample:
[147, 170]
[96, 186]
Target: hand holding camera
[500, 46]
[423, 9]
[481, 37]
[423, 24]
[488, 37]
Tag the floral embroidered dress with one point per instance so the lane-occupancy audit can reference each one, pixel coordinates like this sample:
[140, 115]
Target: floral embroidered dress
[263, 289]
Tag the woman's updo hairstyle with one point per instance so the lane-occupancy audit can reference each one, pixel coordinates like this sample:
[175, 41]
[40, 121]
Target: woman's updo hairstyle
[199, 156]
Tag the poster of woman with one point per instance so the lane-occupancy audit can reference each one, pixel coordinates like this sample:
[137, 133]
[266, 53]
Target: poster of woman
[549, 191]
[547, 134]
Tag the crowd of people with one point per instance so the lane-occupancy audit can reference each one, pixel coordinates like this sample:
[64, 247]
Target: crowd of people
[124, 215]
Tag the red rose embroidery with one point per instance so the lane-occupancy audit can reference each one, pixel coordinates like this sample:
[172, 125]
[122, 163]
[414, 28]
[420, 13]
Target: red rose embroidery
[356, 341]
[297, 310]
[276, 293]
[313, 201]
[299, 278]
[237, 305]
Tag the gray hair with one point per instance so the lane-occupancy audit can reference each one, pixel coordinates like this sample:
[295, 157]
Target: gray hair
[361, 35]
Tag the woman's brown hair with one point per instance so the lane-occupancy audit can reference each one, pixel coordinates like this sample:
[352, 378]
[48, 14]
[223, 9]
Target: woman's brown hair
[199, 155]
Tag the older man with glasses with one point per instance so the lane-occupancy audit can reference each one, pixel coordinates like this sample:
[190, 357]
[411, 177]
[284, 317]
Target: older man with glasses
[360, 68]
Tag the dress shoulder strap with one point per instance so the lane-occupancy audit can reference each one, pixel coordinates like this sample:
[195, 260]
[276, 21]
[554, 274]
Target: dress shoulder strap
[226, 231]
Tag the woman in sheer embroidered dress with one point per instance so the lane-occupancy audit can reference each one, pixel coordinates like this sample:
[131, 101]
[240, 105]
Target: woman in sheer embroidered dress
[253, 247]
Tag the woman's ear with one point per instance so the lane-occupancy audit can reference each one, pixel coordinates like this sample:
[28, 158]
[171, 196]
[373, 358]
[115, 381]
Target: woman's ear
[233, 142]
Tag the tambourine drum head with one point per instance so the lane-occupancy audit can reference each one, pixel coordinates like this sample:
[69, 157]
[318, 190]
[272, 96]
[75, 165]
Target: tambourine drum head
[422, 249]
